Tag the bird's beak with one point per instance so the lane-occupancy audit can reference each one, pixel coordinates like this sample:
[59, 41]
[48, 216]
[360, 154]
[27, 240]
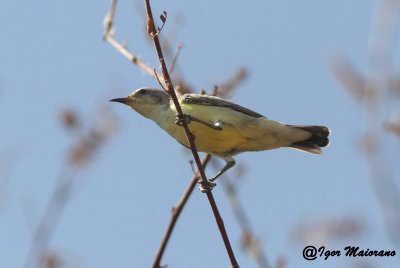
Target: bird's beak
[121, 100]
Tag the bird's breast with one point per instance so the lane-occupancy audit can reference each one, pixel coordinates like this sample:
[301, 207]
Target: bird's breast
[208, 139]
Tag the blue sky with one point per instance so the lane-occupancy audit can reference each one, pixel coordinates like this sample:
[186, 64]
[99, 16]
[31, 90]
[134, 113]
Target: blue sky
[53, 57]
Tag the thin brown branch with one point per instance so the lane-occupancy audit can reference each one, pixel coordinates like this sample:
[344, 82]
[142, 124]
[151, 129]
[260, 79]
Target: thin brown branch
[189, 136]
[176, 211]
[159, 81]
[250, 242]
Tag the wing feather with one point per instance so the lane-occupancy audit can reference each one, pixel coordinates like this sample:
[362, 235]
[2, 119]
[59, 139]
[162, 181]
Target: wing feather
[215, 101]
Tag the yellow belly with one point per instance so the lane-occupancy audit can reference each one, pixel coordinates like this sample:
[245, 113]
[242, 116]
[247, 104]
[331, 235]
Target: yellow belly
[211, 140]
[208, 139]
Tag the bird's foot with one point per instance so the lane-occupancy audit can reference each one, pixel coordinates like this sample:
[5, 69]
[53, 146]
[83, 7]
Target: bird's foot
[206, 186]
[180, 120]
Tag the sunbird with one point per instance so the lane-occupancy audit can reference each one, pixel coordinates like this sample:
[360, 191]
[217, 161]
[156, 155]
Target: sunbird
[223, 128]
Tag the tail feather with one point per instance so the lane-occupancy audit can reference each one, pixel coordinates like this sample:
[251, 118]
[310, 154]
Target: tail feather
[319, 138]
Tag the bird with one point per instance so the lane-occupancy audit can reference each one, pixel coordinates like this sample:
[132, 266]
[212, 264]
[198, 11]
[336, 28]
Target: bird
[221, 127]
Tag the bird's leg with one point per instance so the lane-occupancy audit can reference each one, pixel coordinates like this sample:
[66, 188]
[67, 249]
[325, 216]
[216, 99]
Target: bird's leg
[205, 186]
[230, 162]
[210, 184]
[180, 119]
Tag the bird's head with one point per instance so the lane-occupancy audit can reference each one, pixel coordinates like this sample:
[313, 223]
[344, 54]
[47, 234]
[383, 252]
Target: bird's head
[145, 100]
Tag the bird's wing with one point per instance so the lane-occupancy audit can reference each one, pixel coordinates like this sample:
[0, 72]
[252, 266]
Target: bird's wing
[215, 101]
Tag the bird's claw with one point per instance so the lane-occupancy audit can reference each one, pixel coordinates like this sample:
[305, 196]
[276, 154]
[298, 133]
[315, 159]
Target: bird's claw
[181, 119]
[206, 186]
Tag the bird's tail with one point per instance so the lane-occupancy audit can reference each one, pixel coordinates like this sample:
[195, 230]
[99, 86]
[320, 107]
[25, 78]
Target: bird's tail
[313, 144]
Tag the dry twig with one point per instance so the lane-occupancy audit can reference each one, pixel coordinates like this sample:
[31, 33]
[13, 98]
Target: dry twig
[109, 37]
[176, 211]
[249, 241]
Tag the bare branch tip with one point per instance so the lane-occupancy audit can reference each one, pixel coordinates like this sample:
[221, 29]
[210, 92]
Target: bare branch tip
[108, 21]
[159, 81]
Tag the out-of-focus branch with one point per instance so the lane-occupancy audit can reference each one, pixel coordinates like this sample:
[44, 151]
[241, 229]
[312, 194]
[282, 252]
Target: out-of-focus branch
[327, 230]
[81, 153]
[109, 37]
[352, 80]
[176, 211]
[281, 262]
[375, 90]
[170, 90]
[175, 58]
[393, 126]
[226, 88]
[8, 159]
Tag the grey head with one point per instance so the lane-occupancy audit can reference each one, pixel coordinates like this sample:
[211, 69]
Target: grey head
[145, 100]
